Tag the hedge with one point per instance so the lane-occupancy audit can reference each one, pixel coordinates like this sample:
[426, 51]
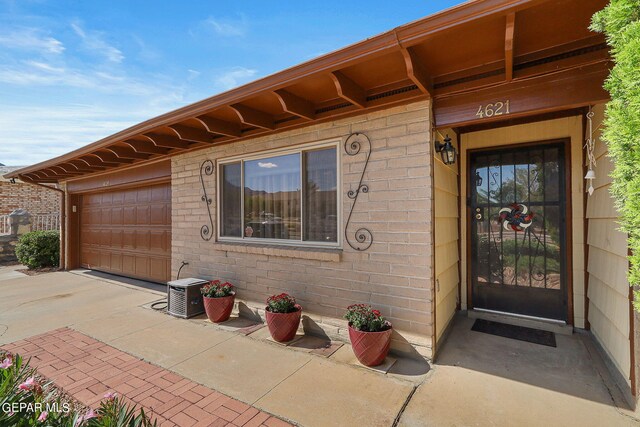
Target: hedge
[620, 22]
[39, 249]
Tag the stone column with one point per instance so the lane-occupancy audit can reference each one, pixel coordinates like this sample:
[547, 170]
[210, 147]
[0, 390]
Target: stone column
[19, 222]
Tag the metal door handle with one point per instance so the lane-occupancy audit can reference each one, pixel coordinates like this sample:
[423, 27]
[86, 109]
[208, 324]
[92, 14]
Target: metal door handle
[478, 216]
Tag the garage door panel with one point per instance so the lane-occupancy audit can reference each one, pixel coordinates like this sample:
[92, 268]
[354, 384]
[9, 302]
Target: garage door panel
[158, 214]
[128, 232]
[142, 215]
[129, 213]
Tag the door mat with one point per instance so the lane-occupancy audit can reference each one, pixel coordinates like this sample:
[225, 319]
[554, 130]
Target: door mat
[521, 333]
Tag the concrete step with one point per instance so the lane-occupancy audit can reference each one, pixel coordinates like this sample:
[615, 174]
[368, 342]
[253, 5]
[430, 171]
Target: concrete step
[555, 326]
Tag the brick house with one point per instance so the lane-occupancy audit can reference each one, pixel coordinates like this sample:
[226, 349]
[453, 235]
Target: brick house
[434, 168]
[37, 200]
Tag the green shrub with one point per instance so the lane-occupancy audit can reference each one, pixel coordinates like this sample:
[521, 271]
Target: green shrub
[620, 22]
[39, 249]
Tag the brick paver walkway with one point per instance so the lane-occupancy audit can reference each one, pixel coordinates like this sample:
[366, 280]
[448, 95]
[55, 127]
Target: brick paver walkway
[87, 369]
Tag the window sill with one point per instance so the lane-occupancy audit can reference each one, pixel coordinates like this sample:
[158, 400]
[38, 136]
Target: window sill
[320, 254]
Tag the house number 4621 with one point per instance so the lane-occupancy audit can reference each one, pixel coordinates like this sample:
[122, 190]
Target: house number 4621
[495, 109]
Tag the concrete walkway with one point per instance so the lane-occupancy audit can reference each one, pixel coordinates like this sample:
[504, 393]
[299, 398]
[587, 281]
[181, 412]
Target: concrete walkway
[479, 379]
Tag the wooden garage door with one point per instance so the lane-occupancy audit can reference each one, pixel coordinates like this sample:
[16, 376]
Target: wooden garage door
[128, 232]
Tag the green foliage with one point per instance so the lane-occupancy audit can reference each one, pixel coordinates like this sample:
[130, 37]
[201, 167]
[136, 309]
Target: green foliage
[362, 317]
[39, 249]
[282, 303]
[620, 22]
[42, 407]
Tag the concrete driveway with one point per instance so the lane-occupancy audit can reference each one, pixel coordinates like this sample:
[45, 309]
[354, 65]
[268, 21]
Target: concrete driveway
[479, 379]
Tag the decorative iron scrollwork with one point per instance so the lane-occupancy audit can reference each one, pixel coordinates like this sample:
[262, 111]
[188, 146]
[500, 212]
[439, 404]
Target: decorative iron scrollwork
[363, 237]
[206, 168]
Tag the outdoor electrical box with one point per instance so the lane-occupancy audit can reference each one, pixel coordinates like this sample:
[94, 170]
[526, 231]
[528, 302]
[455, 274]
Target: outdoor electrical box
[184, 298]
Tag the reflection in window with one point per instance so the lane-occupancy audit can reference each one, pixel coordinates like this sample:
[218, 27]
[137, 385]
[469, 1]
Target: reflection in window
[321, 207]
[231, 200]
[272, 198]
[289, 197]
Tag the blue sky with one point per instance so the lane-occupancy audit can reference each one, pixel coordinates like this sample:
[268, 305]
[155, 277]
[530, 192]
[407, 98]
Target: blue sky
[72, 72]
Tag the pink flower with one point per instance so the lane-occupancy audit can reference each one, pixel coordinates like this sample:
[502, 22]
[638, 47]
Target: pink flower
[43, 416]
[6, 363]
[89, 415]
[110, 395]
[28, 384]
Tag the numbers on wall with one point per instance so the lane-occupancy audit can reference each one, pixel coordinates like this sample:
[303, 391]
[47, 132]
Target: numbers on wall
[498, 108]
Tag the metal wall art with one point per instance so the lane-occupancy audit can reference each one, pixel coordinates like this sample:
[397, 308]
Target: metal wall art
[362, 239]
[516, 217]
[206, 168]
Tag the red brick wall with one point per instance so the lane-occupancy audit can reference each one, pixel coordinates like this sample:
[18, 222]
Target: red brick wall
[35, 199]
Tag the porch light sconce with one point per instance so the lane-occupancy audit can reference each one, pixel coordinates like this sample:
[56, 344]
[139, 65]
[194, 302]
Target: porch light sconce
[447, 151]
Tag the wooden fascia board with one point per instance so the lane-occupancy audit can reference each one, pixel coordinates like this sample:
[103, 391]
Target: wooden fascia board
[508, 46]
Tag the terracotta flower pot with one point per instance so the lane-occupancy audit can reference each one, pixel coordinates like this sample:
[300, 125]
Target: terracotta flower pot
[219, 309]
[370, 348]
[283, 326]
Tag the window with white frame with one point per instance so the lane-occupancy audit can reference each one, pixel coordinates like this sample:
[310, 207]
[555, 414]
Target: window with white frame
[286, 196]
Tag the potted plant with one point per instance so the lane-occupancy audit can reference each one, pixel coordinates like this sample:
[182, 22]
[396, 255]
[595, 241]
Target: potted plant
[370, 334]
[218, 300]
[283, 317]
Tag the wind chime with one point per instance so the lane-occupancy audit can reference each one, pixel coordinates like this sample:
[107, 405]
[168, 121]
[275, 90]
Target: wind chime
[590, 147]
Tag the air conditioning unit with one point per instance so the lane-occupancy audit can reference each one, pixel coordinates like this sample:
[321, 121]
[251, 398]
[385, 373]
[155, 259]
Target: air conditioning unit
[184, 298]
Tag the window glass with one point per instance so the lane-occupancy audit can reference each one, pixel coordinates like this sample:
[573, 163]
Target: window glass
[272, 198]
[231, 200]
[321, 197]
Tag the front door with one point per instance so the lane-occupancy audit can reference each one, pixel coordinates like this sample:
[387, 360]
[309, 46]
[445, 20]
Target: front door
[518, 230]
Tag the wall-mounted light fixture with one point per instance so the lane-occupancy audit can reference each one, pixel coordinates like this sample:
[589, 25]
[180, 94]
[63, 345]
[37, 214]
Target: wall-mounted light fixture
[447, 151]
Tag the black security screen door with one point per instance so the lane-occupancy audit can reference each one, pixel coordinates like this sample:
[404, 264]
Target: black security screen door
[518, 230]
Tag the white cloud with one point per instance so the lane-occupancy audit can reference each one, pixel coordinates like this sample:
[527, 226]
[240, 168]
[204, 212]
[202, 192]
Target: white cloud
[234, 77]
[193, 74]
[30, 39]
[267, 165]
[227, 27]
[94, 42]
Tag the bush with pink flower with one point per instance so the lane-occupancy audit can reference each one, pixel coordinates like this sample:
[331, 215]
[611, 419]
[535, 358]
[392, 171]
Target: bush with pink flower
[29, 401]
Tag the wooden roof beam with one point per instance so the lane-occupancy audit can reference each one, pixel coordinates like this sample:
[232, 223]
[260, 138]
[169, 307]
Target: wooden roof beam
[416, 71]
[166, 141]
[52, 173]
[127, 152]
[84, 166]
[192, 134]
[221, 127]
[349, 90]
[295, 105]
[508, 46]
[253, 117]
[68, 169]
[145, 147]
[109, 156]
[94, 160]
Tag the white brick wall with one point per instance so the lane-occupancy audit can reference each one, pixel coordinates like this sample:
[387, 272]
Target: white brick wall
[394, 275]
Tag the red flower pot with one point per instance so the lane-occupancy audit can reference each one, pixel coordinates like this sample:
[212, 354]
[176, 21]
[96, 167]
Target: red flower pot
[219, 309]
[283, 326]
[370, 348]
